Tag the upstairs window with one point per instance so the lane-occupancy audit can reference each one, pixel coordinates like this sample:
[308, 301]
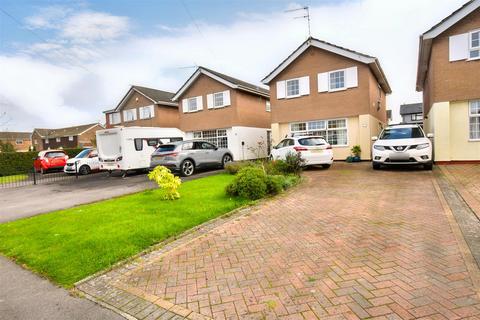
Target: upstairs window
[19, 141]
[293, 87]
[130, 115]
[218, 99]
[192, 104]
[268, 108]
[337, 80]
[475, 44]
[114, 118]
[70, 138]
[474, 113]
[146, 112]
[58, 140]
[416, 117]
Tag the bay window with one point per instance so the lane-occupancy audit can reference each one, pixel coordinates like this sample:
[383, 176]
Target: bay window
[334, 131]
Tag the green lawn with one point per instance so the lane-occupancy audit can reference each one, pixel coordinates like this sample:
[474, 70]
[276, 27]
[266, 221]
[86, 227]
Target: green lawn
[69, 245]
[13, 178]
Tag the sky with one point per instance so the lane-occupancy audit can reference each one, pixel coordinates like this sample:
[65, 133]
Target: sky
[64, 62]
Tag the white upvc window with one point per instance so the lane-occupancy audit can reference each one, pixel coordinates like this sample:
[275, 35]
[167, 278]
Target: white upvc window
[218, 137]
[218, 99]
[58, 139]
[47, 141]
[268, 107]
[416, 116]
[335, 131]
[114, 118]
[192, 104]
[293, 88]
[474, 44]
[147, 112]
[19, 141]
[129, 115]
[474, 115]
[70, 138]
[336, 80]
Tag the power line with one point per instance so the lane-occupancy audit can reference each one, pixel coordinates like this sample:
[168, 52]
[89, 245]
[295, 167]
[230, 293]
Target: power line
[17, 21]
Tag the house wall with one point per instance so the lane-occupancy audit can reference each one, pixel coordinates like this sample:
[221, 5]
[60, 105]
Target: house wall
[64, 143]
[326, 105]
[360, 128]
[165, 116]
[452, 81]
[245, 109]
[24, 146]
[88, 138]
[37, 141]
[449, 122]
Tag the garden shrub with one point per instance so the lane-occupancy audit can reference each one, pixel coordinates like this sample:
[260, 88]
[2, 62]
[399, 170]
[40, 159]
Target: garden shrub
[166, 181]
[275, 184]
[250, 183]
[290, 181]
[234, 167]
[294, 163]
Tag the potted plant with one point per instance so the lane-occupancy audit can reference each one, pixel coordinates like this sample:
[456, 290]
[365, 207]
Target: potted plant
[356, 151]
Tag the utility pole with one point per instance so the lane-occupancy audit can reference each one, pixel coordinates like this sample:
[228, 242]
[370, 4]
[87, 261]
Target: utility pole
[306, 15]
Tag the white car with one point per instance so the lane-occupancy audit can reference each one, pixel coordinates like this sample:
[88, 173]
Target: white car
[314, 149]
[85, 162]
[402, 144]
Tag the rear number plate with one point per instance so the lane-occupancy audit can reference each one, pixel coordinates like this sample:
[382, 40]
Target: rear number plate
[316, 151]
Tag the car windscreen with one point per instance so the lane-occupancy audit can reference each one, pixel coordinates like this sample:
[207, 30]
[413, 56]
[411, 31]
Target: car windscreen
[166, 148]
[83, 154]
[311, 141]
[401, 133]
[55, 154]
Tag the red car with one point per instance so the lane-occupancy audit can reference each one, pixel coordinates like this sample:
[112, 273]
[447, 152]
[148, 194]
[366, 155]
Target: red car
[50, 160]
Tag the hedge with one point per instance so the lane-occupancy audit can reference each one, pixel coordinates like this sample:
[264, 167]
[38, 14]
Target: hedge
[12, 163]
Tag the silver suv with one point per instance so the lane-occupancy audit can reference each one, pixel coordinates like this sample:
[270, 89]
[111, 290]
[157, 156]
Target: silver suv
[187, 156]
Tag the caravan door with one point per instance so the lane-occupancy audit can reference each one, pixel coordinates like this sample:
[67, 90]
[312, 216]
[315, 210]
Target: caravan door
[143, 153]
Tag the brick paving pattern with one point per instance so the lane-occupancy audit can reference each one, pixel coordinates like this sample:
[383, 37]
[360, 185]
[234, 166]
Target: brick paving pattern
[352, 243]
[466, 178]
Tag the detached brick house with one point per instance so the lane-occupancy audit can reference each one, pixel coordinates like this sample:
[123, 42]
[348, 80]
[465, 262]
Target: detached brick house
[449, 76]
[144, 107]
[21, 141]
[225, 111]
[70, 137]
[412, 113]
[330, 91]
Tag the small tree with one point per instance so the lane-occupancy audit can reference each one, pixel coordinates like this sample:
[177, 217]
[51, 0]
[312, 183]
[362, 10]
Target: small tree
[259, 149]
[166, 181]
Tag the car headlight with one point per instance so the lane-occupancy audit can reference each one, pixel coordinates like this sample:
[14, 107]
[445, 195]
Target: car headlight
[381, 148]
[423, 146]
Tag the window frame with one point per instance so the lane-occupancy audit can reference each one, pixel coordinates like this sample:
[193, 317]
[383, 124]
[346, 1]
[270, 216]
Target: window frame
[113, 120]
[188, 104]
[326, 129]
[287, 96]
[470, 47]
[18, 141]
[268, 106]
[330, 73]
[416, 117]
[151, 112]
[70, 138]
[135, 143]
[472, 116]
[218, 94]
[47, 141]
[130, 111]
[58, 140]
[216, 137]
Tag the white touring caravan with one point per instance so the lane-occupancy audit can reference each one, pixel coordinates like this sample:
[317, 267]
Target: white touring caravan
[130, 148]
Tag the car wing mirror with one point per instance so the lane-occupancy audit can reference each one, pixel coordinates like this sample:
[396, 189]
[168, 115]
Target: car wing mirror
[374, 138]
[429, 135]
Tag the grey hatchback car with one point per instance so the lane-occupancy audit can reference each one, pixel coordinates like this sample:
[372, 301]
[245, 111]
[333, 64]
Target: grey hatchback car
[187, 156]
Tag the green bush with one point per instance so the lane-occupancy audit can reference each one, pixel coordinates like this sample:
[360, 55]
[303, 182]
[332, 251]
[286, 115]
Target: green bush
[249, 183]
[294, 163]
[290, 181]
[275, 184]
[234, 167]
[166, 181]
[12, 163]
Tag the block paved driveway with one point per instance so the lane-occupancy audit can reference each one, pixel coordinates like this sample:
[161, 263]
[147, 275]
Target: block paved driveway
[350, 243]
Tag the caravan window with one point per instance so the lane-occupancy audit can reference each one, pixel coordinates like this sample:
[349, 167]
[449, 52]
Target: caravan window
[138, 144]
[152, 142]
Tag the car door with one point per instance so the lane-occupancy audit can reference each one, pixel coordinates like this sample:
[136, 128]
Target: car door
[93, 160]
[288, 147]
[211, 154]
[276, 151]
[200, 154]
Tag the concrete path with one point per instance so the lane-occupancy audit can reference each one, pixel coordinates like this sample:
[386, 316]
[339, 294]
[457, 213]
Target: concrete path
[352, 243]
[25, 296]
[17, 203]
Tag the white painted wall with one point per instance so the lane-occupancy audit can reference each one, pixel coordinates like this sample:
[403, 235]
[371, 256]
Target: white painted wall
[251, 137]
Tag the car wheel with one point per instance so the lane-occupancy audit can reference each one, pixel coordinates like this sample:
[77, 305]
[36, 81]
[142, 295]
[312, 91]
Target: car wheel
[428, 166]
[226, 158]
[326, 166]
[375, 166]
[187, 168]
[84, 170]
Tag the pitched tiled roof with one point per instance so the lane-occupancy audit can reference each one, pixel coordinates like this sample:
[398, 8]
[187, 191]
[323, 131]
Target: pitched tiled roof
[64, 132]
[154, 94]
[411, 108]
[371, 61]
[227, 80]
[11, 135]
[237, 81]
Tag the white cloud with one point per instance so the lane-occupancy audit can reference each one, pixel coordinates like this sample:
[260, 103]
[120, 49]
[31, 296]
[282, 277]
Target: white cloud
[56, 91]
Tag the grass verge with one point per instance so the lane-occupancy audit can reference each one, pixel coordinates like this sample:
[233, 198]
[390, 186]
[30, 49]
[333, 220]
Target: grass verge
[69, 245]
[13, 178]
